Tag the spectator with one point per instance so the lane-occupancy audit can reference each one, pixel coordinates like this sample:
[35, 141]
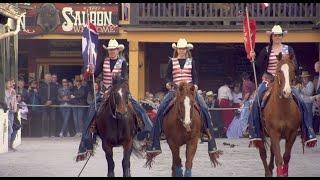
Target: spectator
[78, 98]
[58, 122]
[98, 91]
[248, 87]
[23, 110]
[34, 112]
[64, 94]
[48, 96]
[225, 101]
[316, 104]
[11, 101]
[237, 95]
[22, 90]
[315, 82]
[54, 78]
[215, 115]
[306, 92]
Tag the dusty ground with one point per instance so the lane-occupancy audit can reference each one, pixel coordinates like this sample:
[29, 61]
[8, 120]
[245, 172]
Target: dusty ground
[55, 157]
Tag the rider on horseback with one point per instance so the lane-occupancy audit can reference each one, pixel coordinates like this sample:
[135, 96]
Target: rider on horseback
[267, 61]
[180, 68]
[110, 66]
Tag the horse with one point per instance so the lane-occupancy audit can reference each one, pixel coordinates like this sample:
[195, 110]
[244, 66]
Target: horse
[116, 125]
[280, 117]
[182, 126]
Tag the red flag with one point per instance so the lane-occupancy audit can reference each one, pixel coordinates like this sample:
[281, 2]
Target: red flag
[246, 35]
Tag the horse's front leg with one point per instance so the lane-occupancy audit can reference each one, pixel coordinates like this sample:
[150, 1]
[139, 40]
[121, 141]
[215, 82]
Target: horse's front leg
[109, 156]
[176, 160]
[290, 138]
[271, 162]
[275, 137]
[127, 150]
[191, 149]
[263, 157]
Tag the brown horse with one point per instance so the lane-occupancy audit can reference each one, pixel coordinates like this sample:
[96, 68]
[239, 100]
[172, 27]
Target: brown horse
[116, 125]
[182, 125]
[281, 117]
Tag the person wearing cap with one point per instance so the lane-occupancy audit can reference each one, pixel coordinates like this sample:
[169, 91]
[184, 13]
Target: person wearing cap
[306, 92]
[267, 62]
[217, 121]
[114, 64]
[181, 60]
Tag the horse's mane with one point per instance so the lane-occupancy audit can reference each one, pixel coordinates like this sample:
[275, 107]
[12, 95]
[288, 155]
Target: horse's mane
[117, 81]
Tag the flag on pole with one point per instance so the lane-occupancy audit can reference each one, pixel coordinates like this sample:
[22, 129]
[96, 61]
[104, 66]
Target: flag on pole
[252, 26]
[90, 43]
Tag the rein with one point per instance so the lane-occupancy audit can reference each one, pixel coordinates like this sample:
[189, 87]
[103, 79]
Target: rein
[114, 102]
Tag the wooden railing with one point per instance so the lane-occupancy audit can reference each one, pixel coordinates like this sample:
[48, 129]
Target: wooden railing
[223, 14]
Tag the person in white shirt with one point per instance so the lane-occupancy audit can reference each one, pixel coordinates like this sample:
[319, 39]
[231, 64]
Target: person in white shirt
[225, 101]
[237, 95]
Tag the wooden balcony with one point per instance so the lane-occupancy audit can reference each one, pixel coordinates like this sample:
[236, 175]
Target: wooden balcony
[223, 15]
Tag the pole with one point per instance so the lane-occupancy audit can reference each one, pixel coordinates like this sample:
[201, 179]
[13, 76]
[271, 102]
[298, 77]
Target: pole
[252, 62]
[89, 61]
[254, 68]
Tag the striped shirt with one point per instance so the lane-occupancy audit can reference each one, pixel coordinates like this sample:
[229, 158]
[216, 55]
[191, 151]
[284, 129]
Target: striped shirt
[273, 61]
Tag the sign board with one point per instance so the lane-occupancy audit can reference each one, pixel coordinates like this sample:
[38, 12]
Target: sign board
[69, 18]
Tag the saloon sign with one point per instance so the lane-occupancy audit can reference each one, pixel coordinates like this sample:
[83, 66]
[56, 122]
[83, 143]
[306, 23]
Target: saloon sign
[69, 18]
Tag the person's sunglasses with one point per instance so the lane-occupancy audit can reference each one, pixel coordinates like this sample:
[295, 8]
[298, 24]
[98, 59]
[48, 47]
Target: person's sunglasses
[278, 35]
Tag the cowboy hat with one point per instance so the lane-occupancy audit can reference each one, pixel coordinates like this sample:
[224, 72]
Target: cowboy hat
[182, 43]
[277, 30]
[113, 44]
[305, 74]
[210, 93]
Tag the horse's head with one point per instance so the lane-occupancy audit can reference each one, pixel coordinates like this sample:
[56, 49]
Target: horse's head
[186, 94]
[285, 73]
[119, 97]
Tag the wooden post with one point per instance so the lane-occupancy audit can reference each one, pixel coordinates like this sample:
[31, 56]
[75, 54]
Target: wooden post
[134, 68]
[141, 70]
[137, 69]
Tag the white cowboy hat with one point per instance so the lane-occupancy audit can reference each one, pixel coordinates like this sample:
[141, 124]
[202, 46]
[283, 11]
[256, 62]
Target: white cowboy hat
[113, 44]
[182, 43]
[210, 93]
[277, 30]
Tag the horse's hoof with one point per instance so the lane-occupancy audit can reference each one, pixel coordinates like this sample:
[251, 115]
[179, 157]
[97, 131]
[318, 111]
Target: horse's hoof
[127, 173]
[111, 174]
[281, 171]
[188, 173]
[179, 172]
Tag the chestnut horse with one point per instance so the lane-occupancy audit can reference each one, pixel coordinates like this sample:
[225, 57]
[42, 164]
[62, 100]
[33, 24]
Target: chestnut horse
[280, 117]
[116, 125]
[182, 126]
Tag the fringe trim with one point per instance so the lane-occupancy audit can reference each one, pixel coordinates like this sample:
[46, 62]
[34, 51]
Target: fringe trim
[214, 156]
[85, 155]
